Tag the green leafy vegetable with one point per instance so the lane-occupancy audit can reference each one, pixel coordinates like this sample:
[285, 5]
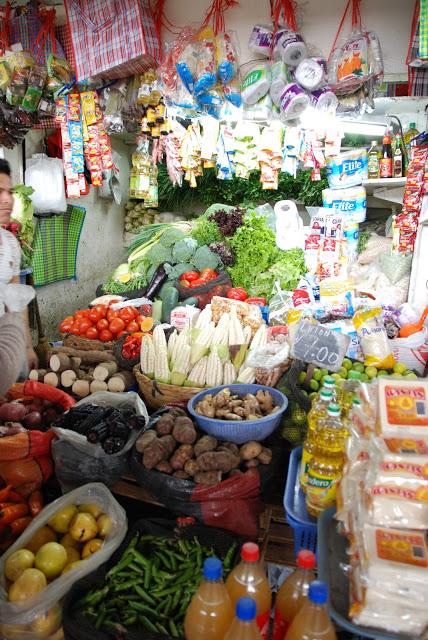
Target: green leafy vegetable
[287, 270]
[23, 213]
[157, 254]
[184, 250]
[205, 231]
[204, 258]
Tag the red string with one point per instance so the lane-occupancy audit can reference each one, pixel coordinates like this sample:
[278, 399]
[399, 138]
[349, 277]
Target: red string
[333, 46]
[215, 14]
[287, 7]
[356, 14]
[47, 31]
[290, 14]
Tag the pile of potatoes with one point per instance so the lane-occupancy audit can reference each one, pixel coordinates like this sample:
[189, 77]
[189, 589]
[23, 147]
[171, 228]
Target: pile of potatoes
[174, 446]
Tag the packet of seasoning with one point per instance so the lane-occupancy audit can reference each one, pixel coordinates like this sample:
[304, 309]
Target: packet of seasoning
[5, 75]
[18, 87]
[36, 82]
[60, 69]
[89, 107]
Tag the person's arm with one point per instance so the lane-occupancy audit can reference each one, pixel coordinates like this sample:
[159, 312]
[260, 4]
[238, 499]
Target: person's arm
[12, 349]
[32, 359]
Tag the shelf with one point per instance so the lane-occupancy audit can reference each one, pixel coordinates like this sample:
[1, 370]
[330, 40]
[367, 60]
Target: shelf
[390, 183]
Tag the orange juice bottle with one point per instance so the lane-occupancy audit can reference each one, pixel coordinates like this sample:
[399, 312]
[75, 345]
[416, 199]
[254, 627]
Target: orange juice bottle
[210, 613]
[293, 593]
[244, 626]
[249, 579]
[313, 622]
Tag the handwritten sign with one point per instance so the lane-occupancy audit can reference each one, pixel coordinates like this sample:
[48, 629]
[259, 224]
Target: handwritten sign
[317, 345]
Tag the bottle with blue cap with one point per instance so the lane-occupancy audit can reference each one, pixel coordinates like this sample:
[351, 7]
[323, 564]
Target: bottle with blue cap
[313, 622]
[210, 611]
[244, 626]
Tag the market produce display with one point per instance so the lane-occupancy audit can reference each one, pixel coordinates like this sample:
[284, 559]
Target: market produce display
[175, 447]
[228, 406]
[151, 585]
[103, 323]
[137, 216]
[16, 513]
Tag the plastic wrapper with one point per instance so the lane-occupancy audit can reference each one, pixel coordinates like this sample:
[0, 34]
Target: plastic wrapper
[373, 338]
[348, 169]
[355, 62]
[78, 461]
[48, 196]
[249, 314]
[270, 362]
[394, 266]
[17, 619]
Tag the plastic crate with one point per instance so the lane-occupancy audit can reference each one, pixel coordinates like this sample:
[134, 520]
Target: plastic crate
[296, 515]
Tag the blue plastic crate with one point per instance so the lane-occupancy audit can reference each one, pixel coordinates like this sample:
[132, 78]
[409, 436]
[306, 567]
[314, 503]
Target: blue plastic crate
[303, 524]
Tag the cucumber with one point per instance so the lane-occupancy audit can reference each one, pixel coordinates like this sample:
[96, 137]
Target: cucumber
[157, 311]
[193, 302]
[169, 302]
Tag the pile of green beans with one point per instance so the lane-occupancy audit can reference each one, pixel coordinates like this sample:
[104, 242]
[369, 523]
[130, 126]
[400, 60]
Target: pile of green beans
[151, 585]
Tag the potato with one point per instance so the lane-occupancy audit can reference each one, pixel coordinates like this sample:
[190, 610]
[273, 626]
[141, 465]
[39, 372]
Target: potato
[165, 424]
[191, 467]
[250, 450]
[206, 443]
[181, 456]
[144, 440]
[208, 477]
[223, 461]
[184, 433]
[265, 457]
[229, 446]
[168, 444]
[164, 467]
[181, 474]
[154, 453]
[177, 412]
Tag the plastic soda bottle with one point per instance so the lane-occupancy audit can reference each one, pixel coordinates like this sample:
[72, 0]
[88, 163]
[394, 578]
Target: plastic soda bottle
[244, 626]
[293, 593]
[249, 579]
[318, 412]
[210, 613]
[313, 622]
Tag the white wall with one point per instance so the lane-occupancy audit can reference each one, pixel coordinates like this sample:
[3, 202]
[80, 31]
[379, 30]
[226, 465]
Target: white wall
[391, 19]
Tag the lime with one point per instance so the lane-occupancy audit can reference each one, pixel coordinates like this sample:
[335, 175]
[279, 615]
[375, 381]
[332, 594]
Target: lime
[302, 377]
[395, 376]
[411, 375]
[364, 377]
[313, 385]
[317, 375]
[354, 375]
[399, 368]
[324, 372]
[336, 376]
[304, 392]
[358, 366]
[313, 395]
[371, 372]
[343, 372]
[347, 363]
[382, 372]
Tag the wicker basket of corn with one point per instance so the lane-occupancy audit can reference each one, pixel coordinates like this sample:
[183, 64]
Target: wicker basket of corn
[157, 394]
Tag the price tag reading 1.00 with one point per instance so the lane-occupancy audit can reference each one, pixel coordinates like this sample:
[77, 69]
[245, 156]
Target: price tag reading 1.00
[317, 345]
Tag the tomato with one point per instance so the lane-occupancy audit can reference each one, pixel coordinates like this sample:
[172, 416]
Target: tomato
[112, 314]
[69, 319]
[105, 335]
[185, 283]
[127, 314]
[116, 325]
[146, 310]
[92, 333]
[81, 314]
[102, 310]
[190, 276]
[66, 325]
[75, 329]
[84, 325]
[135, 311]
[94, 315]
[133, 326]
[139, 319]
[102, 324]
[260, 301]
[197, 283]
[237, 293]
[208, 274]
[121, 333]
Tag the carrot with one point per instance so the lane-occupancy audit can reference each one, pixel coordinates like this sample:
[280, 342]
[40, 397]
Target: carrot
[19, 525]
[14, 496]
[9, 514]
[35, 502]
[3, 505]
[4, 493]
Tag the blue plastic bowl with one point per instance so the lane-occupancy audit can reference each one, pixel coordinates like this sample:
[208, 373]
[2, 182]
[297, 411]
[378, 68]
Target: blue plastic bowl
[243, 430]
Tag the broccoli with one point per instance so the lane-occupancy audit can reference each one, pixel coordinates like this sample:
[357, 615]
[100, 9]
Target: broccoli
[183, 250]
[171, 236]
[204, 258]
[157, 254]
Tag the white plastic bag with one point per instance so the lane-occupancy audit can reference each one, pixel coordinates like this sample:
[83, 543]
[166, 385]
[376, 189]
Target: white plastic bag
[15, 619]
[46, 176]
[78, 461]
[412, 351]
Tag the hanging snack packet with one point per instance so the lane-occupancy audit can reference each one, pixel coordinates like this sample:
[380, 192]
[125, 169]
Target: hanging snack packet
[226, 57]
[373, 338]
[205, 75]
[5, 75]
[36, 83]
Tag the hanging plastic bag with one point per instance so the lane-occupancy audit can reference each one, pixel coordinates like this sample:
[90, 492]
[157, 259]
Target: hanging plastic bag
[40, 616]
[395, 265]
[46, 176]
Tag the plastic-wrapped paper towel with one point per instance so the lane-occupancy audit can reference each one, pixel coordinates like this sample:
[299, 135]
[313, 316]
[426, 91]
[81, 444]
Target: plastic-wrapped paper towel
[293, 101]
[261, 39]
[324, 99]
[348, 169]
[291, 48]
[309, 74]
[256, 82]
[280, 77]
[351, 201]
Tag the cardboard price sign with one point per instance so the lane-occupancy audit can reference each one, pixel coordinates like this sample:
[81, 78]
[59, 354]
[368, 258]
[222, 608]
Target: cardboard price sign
[318, 345]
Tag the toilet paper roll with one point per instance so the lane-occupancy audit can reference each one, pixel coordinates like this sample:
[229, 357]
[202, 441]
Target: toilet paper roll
[322, 62]
[324, 99]
[280, 77]
[256, 82]
[293, 101]
[260, 40]
[309, 74]
[291, 48]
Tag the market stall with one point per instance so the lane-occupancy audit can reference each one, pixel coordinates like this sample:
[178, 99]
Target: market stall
[226, 236]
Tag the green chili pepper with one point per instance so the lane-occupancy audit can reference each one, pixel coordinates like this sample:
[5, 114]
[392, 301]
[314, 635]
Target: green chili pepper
[145, 596]
[148, 624]
[173, 629]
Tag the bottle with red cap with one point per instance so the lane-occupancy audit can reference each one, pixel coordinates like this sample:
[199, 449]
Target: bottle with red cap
[293, 593]
[249, 580]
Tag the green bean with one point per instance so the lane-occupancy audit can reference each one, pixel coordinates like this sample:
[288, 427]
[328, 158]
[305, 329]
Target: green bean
[164, 558]
[125, 562]
[145, 596]
[125, 585]
[161, 628]
[139, 606]
[165, 592]
[173, 629]
[93, 597]
[148, 624]
[139, 557]
[148, 575]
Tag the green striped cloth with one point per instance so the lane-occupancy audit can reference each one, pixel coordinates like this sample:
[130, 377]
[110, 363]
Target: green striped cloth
[55, 245]
[423, 30]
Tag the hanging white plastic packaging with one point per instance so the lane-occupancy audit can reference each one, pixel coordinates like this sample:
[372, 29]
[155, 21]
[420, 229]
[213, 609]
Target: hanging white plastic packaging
[291, 48]
[289, 226]
[46, 176]
[293, 101]
[280, 77]
[256, 83]
[309, 74]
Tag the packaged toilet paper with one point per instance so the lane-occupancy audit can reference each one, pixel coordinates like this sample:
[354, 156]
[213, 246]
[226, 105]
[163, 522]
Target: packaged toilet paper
[291, 48]
[352, 202]
[309, 74]
[280, 77]
[261, 39]
[256, 82]
[324, 99]
[348, 169]
[294, 100]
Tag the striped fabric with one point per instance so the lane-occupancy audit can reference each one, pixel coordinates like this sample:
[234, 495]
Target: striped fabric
[112, 38]
[25, 28]
[55, 246]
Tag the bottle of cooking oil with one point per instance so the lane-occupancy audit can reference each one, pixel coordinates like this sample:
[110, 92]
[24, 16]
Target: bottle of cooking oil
[315, 416]
[140, 173]
[326, 465]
